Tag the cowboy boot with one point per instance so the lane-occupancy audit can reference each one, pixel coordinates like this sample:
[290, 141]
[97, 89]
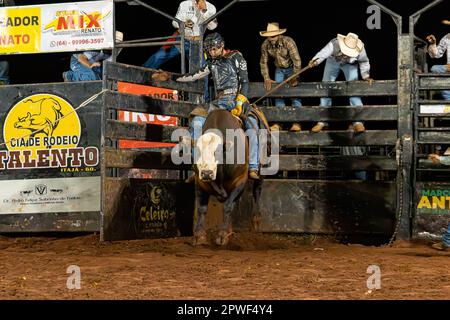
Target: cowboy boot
[359, 127]
[275, 127]
[296, 127]
[253, 174]
[318, 127]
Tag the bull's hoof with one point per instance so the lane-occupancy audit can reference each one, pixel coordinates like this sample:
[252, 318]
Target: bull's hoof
[200, 239]
[223, 238]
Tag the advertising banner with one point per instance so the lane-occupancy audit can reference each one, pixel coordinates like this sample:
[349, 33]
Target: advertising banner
[140, 117]
[62, 27]
[432, 210]
[49, 150]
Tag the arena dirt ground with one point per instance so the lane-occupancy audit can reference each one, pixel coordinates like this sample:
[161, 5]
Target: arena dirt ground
[254, 266]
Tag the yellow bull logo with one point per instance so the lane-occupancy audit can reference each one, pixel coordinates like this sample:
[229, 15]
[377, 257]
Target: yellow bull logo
[45, 122]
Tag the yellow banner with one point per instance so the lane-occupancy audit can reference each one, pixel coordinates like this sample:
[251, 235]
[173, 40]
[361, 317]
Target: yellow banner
[20, 30]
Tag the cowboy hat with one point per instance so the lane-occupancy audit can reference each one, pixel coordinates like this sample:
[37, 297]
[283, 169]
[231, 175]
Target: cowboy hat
[350, 44]
[273, 29]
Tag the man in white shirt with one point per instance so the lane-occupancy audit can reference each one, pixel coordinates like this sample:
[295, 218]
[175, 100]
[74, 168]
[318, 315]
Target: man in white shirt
[437, 51]
[193, 13]
[343, 53]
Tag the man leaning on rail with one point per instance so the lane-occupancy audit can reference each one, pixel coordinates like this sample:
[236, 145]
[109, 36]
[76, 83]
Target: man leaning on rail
[284, 52]
[343, 53]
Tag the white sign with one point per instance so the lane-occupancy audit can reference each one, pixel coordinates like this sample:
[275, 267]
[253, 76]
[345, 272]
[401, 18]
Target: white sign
[434, 109]
[50, 195]
[57, 27]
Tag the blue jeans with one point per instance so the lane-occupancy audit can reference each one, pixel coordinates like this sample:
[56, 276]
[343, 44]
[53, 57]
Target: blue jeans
[79, 72]
[280, 76]
[228, 103]
[163, 55]
[442, 69]
[331, 72]
[446, 236]
[4, 72]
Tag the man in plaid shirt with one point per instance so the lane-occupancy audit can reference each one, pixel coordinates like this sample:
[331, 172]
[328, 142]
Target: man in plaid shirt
[287, 61]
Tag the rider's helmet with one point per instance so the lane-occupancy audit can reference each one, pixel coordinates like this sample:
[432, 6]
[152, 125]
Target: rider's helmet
[213, 40]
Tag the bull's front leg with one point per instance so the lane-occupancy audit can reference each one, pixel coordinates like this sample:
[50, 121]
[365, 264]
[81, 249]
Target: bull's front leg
[202, 199]
[226, 230]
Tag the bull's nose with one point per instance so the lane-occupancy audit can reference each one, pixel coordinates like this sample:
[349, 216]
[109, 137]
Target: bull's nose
[206, 175]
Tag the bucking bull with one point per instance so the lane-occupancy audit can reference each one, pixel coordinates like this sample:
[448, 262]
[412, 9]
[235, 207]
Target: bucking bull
[226, 180]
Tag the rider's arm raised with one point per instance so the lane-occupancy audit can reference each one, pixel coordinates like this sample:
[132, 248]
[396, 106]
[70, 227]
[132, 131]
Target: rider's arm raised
[190, 77]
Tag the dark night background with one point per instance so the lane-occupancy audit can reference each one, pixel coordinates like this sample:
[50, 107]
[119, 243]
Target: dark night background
[310, 23]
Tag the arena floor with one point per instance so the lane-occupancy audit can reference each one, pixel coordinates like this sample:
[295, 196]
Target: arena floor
[254, 266]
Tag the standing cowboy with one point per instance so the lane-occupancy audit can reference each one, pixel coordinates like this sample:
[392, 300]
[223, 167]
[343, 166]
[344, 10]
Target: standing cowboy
[4, 65]
[343, 53]
[287, 61]
[230, 76]
[437, 51]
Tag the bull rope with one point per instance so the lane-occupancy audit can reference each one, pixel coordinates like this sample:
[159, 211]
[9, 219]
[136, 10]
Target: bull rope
[82, 105]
